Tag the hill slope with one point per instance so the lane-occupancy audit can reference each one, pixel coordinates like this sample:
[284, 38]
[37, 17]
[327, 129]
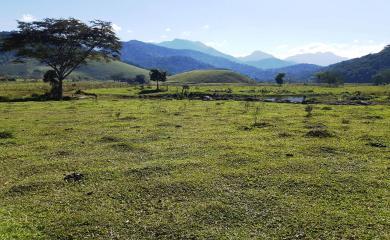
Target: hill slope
[94, 70]
[149, 55]
[270, 63]
[210, 76]
[256, 56]
[361, 70]
[295, 73]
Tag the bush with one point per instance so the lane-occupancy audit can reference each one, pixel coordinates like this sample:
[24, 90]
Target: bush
[319, 133]
[309, 110]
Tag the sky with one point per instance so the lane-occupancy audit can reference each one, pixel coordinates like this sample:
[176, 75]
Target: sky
[349, 28]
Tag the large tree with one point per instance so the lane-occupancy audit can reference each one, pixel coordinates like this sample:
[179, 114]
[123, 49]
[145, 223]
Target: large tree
[63, 45]
[158, 76]
[330, 78]
[279, 79]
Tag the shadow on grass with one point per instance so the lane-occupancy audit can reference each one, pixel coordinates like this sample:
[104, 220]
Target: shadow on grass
[151, 91]
[33, 98]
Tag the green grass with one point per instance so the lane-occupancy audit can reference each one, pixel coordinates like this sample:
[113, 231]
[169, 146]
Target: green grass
[210, 76]
[169, 169]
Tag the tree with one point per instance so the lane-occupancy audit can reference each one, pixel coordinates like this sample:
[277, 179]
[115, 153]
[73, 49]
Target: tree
[158, 76]
[330, 78]
[382, 78]
[64, 45]
[279, 79]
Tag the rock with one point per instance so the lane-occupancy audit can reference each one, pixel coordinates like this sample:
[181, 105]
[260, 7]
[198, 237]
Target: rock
[74, 177]
[207, 98]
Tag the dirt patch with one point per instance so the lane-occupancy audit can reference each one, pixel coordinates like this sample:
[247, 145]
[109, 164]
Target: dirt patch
[377, 144]
[261, 125]
[74, 177]
[6, 135]
[108, 139]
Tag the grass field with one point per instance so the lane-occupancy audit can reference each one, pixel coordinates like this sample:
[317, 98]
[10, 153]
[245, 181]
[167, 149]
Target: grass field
[187, 169]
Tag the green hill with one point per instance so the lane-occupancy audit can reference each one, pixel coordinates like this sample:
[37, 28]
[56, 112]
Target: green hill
[94, 70]
[210, 76]
[362, 70]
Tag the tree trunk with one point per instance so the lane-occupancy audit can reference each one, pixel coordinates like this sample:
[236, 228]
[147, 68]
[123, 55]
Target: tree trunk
[60, 89]
[158, 86]
[56, 90]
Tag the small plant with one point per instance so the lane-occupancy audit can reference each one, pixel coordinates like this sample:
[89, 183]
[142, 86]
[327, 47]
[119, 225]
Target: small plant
[246, 107]
[185, 90]
[309, 110]
[118, 115]
[256, 115]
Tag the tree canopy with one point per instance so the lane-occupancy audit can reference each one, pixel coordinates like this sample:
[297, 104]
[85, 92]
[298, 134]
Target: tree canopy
[330, 78]
[381, 78]
[279, 79]
[158, 76]
[63, 44]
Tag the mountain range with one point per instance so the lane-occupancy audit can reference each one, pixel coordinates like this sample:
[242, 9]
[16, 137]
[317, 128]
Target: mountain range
[179, 56]
[258, 59]
[320, 58]
[148, 55]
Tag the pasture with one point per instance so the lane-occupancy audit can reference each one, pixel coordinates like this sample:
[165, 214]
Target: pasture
[190, 169]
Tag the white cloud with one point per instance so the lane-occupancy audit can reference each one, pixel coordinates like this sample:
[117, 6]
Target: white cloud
[163, 36]
[348, 50]
[27, 18]
[130, 31]
[168, 30]
[116, 27]
[206, 27]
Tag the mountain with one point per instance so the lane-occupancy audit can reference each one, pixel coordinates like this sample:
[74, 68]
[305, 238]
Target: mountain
[361, 70]
[295, 73]
[320, 58]
[264, 60]
[210, 76]
[149, 55]
[256, 56]
[93, 70]
[195, 46]
[270, 63]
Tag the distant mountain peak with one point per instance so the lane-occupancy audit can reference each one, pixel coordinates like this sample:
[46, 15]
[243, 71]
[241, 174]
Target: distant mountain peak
[256, 56]
[183, 44]
[318, 58]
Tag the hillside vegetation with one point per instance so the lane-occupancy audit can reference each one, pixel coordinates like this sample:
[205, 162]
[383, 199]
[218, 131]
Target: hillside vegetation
[362, 70]
[210, 76]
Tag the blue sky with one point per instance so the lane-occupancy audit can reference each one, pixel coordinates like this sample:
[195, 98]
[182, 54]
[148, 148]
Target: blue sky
[349, 28]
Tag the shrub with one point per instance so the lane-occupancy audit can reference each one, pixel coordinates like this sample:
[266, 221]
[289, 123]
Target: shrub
[309, 110]
[319, 133]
